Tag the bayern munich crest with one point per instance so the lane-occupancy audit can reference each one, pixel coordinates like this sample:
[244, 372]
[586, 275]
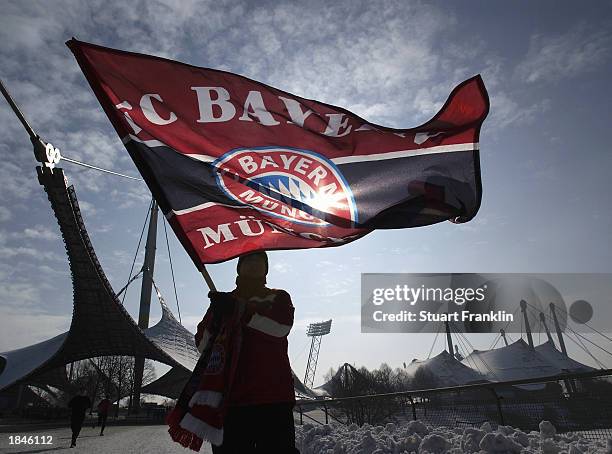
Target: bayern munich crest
[296, 185]
[216, 361]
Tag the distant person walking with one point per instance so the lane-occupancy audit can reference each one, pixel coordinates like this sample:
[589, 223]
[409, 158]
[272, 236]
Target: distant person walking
[78, 404]
[103, 408]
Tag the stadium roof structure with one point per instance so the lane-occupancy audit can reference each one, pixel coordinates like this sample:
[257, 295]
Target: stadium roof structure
[26, 361]
[172, 382]
[347, 380]
[100, 324]
[11, 396]
[447, 370]
[512, 362]
[565, 364]
[168, 385]
[300, 389]
[173, 338]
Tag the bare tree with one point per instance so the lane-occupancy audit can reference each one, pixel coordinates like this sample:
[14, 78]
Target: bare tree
[424, 379]
[111, 376]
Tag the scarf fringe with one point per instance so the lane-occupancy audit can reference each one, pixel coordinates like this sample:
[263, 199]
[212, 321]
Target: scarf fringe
[185, 438]
[179, 434]
[202, 430]
[174, 417]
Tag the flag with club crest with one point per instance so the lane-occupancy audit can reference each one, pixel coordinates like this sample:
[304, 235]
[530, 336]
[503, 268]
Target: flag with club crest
[238, 166]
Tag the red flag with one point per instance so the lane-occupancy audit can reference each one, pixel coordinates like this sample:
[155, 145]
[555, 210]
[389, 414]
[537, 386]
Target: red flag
[238, 166]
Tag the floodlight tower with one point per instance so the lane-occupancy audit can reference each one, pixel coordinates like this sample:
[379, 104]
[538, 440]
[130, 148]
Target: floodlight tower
[316, 331]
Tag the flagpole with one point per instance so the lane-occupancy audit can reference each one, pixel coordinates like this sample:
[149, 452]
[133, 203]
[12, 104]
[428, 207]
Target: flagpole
[208, 279]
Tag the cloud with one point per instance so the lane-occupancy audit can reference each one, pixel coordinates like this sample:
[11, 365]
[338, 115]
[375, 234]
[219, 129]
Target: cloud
[87, 208]
[507, 111]
[101, 228]
[282, 266]
[333, 286]
[131, 194]
[97, 148]
[357, 58]
[32, 30]
[21, 329]
[125, 258]
[33, 265]
[12, 292]
[552, 58]
[38, 232]
[16, 184]
[5, 214]
[10, 252]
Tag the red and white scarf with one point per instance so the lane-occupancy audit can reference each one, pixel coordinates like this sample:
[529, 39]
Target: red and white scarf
[200, 411]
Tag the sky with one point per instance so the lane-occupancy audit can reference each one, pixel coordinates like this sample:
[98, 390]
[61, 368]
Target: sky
[544, 157]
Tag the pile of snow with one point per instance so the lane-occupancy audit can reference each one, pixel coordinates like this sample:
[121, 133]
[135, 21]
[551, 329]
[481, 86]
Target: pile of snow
[420, 438]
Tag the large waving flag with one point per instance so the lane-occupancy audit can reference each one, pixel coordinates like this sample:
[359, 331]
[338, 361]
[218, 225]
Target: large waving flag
[238, 166]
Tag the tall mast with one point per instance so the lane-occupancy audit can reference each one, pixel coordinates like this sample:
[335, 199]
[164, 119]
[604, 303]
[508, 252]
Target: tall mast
[145, 298]
[503, 335]
[449, 339]
[558, 329]
[527, 326]
[543, 320]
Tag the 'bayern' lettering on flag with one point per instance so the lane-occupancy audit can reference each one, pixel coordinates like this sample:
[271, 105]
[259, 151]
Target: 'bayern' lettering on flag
[238, 166]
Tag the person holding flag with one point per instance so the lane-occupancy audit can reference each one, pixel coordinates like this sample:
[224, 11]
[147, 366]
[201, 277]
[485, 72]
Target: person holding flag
[241, 396]
[255, 411]
[237, 167]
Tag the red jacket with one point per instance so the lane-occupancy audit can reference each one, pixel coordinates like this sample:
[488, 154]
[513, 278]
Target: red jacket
[263, 373]
[103, 406]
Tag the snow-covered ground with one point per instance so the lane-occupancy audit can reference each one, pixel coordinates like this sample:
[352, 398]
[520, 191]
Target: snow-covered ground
[116, 440]
[413, 437]
[417, 437]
